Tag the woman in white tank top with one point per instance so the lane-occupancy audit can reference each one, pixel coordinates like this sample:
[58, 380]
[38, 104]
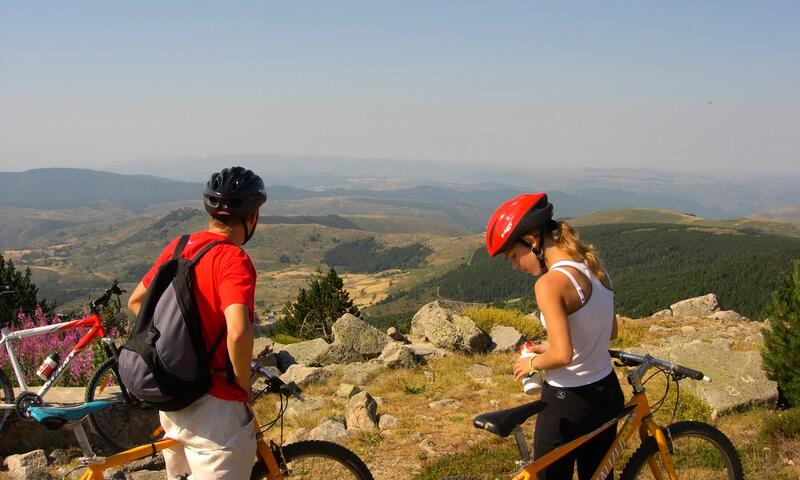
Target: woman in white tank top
[576, 300]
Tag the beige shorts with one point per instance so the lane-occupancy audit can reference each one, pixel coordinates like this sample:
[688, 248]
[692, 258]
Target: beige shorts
[217, 440]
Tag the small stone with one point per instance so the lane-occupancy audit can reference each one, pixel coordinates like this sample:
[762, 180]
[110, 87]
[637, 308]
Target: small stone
[688, 329]
[362, 413]
[482, 392]
[380, 401]
[25, 464]
[297, 435]
[428, 375]
[446, 402]
[58, 457]
[347, 390]
[723, 343]
[329, 430]
[427, 445]
[663, 313]
[658, 329]
[477, 371]
[396, 336]
[494, 403]
[386, 422]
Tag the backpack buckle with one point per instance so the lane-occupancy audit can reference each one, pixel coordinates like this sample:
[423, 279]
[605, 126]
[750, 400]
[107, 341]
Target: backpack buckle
[152, 335]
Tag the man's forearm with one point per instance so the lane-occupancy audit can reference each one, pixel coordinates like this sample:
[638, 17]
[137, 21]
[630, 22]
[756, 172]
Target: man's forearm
[240, 350]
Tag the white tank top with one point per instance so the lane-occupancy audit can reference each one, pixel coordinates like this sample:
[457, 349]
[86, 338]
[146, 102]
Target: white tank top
[590, 330]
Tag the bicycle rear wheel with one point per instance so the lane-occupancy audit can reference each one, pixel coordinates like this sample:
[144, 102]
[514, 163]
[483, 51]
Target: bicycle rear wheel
[125, 424]
[700, 452]
[313, 459]
[7, 397]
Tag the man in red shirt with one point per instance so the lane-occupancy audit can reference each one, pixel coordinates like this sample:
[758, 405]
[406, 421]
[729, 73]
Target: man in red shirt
[215, 432]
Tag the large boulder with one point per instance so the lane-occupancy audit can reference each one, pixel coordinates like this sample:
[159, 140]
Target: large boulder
[737, 378]
[442, 324]
[358, 336]
[696, 307]
[337, 354]
[505, 339]
[305, 353]
[362, 413]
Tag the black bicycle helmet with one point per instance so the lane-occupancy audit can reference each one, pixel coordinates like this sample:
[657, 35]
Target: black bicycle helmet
[234, 192]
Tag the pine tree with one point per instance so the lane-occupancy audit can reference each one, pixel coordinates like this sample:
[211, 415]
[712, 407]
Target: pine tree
[24, 299]
[782, 338]
[317, 307]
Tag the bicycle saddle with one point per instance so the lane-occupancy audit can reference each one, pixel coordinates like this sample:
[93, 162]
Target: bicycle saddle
[56, 417]
[503, 422]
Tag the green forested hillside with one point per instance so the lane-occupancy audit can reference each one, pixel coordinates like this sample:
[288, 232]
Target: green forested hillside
[653, 266]
[366, 255]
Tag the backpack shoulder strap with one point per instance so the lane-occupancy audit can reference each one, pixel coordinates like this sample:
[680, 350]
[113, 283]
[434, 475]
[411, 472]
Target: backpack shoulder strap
[205, 250]
[180, 246]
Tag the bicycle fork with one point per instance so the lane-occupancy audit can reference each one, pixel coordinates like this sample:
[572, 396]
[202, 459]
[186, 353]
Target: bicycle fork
[664, 443]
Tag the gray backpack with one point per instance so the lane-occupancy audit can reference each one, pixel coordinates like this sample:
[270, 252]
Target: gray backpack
[165, 362]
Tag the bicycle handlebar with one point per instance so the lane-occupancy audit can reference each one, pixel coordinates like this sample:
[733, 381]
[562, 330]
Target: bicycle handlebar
[632, 359]
[274, 383]
[102, 300]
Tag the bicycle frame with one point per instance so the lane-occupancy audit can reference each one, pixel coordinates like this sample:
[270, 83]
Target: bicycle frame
[98, 465]
[637, 416]
[93, 321]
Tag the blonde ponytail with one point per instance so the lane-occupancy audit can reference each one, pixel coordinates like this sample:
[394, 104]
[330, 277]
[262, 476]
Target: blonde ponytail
[567, 239]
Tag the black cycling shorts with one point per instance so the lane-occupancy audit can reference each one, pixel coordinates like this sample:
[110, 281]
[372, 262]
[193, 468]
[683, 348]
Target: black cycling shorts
[570, 413]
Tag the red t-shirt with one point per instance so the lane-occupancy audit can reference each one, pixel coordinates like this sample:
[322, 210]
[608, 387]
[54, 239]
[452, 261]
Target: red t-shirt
[224, 276]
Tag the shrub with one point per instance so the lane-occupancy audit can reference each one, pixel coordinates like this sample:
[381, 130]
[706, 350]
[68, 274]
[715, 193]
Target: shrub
[784, 424]
[782, 337]
[487, 317]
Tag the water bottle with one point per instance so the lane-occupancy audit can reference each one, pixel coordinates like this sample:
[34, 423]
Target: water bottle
[48, 366]
[531, 384]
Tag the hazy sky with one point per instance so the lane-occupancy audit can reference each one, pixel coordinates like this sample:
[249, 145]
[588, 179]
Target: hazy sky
[689, 85]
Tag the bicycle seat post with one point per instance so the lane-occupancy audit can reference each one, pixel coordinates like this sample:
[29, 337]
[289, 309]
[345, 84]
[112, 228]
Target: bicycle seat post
[88, 454]
[522, 446]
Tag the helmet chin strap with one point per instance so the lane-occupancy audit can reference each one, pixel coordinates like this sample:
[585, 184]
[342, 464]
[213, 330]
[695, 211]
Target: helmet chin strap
[248, 234]
[539, 251]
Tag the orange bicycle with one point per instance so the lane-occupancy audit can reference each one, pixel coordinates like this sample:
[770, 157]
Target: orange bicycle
[682, 450]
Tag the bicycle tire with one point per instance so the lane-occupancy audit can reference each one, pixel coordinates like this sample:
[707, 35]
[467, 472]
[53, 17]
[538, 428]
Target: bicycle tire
[700, 452]
[7, 393]
[125, 424]
[316, 459]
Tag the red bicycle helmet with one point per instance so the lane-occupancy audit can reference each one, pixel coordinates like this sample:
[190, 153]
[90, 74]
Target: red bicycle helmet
[516, 217]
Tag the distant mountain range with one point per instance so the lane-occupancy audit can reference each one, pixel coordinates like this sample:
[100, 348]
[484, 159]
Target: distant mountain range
[467, 205]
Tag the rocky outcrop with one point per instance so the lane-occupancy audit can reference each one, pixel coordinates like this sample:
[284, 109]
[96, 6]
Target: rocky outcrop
[442, 324]
[356, 335]
[737, 378]
[728, 316]
[696, 307]
[26, 465]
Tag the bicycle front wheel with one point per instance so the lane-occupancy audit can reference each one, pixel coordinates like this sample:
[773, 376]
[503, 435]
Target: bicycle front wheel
[313, 459]
[6, 397]
[700, 452]
[125, 424]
